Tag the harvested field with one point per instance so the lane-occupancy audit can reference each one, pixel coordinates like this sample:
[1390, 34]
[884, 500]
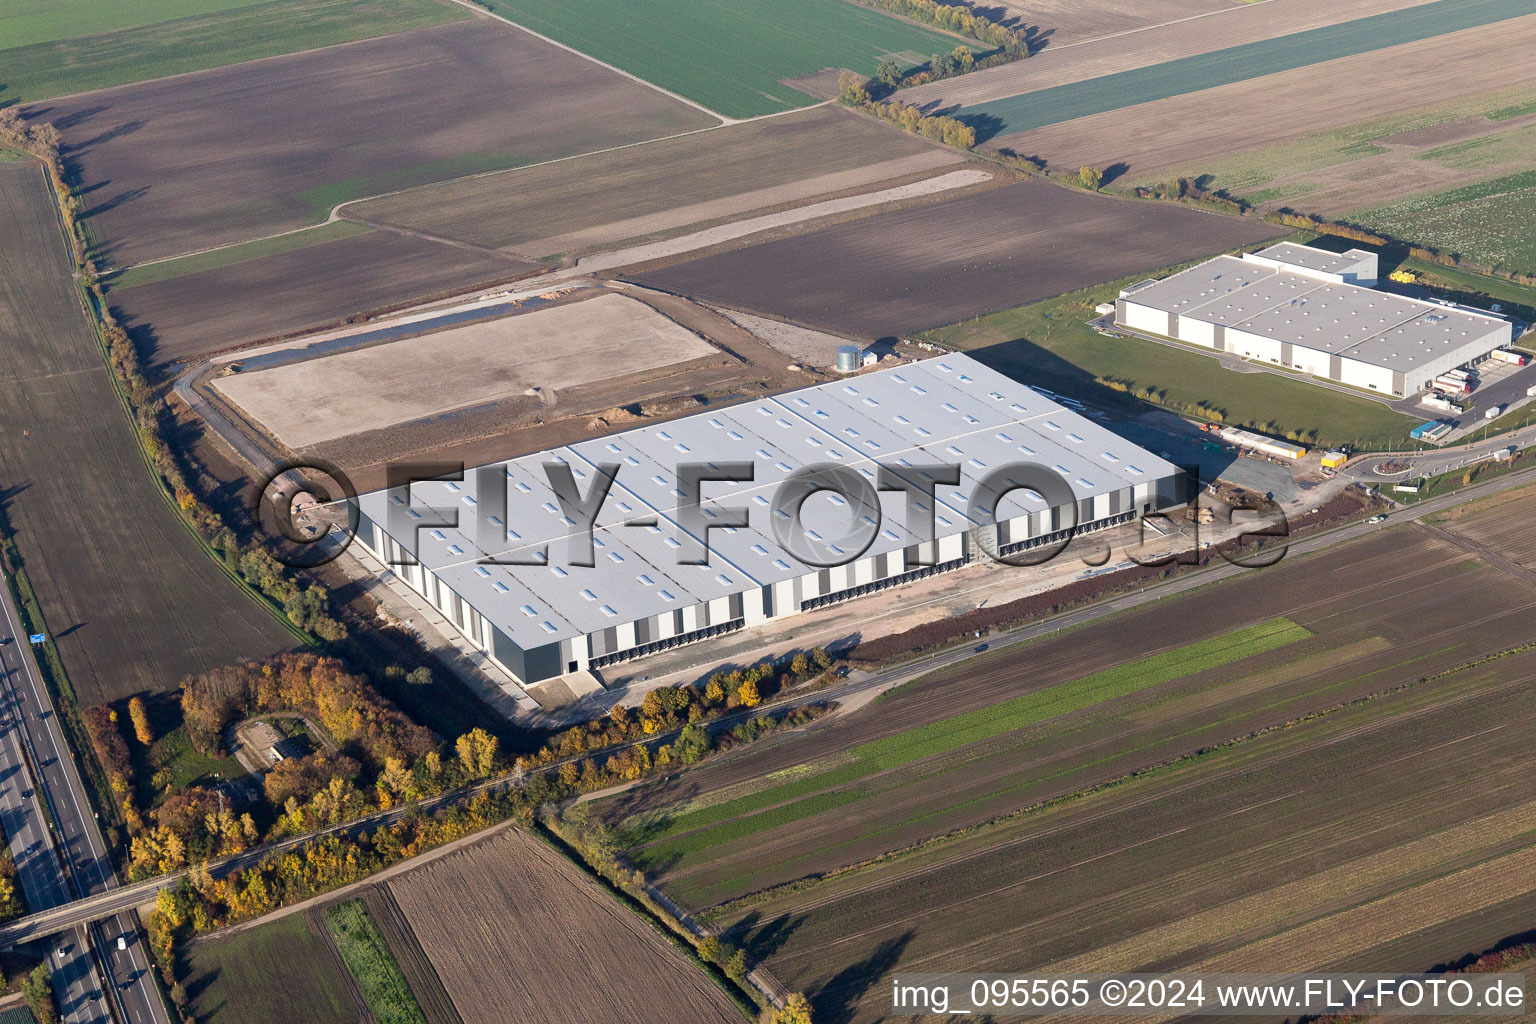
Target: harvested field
[1488, 222]
[1166, 134]
[231, 977]
[187, 317]
[1501, 524]
[564, 948]
[119, 46]
[236, 153]
[1341, 169]
[663, 186]
[304, 403]
[131, 600]
[903, 271]
[1347, 832]
[750, 48]
[1265, 55]
[1237, 25]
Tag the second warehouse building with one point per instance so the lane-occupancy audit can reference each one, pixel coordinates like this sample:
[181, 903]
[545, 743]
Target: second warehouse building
[1315, 311]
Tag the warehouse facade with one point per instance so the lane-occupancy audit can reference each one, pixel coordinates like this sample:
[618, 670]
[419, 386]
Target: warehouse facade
[545, 616]
[1317, 312]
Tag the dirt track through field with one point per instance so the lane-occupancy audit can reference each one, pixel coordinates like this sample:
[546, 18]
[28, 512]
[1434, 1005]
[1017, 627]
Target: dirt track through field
[1061, 24]
[761, 199]
[660, 185]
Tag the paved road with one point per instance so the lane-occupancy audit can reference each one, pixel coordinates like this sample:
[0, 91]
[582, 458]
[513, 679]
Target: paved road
[77, 985]
[859, 684]
[1440, 460]
[88, 870]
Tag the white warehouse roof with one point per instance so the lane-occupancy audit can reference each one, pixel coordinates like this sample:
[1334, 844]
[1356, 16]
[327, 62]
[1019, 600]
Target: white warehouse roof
[949, 409]
[1349, 320]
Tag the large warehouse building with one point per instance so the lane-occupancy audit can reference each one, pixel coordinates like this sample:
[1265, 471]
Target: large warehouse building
[1315, 311]
[537, 621]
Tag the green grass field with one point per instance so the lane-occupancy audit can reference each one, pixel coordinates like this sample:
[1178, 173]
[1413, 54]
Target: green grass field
[373, 966]
[1239, 63]
[30, 21]
[810, 794]
[145, 39]
[726, 54]
[231, 977]
[1049, 343]
[1488, 222]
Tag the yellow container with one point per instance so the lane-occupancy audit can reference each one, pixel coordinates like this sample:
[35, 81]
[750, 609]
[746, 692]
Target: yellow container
[1333, 460]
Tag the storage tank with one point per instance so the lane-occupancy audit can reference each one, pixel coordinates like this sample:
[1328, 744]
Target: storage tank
[847, 358]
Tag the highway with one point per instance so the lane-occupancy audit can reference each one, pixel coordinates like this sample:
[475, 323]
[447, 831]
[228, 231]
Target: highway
[31, 726]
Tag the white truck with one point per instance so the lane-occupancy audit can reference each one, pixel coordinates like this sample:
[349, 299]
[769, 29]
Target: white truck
[1493, 412]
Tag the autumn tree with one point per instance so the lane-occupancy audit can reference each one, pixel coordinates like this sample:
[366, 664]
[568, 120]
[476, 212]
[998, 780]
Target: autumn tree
[853, 89]
[1090, 177]
[796, 1010]
[888, 73]
[748, 694]
[303, 777]
[478, 751]
[395, 784]
[140, 718]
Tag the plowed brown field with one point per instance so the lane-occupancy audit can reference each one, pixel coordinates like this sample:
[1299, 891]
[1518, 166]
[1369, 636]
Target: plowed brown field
[903, 271]
[516, 932]
[194, 161]
[1359, 794]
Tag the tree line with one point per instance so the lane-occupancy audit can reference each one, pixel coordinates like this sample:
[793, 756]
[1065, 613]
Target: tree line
[854, 92]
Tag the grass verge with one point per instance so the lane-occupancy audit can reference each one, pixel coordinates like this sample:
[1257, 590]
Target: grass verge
[373, 966]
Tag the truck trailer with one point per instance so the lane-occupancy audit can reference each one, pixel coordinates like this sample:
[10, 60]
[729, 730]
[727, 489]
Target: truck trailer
[1450, 385]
